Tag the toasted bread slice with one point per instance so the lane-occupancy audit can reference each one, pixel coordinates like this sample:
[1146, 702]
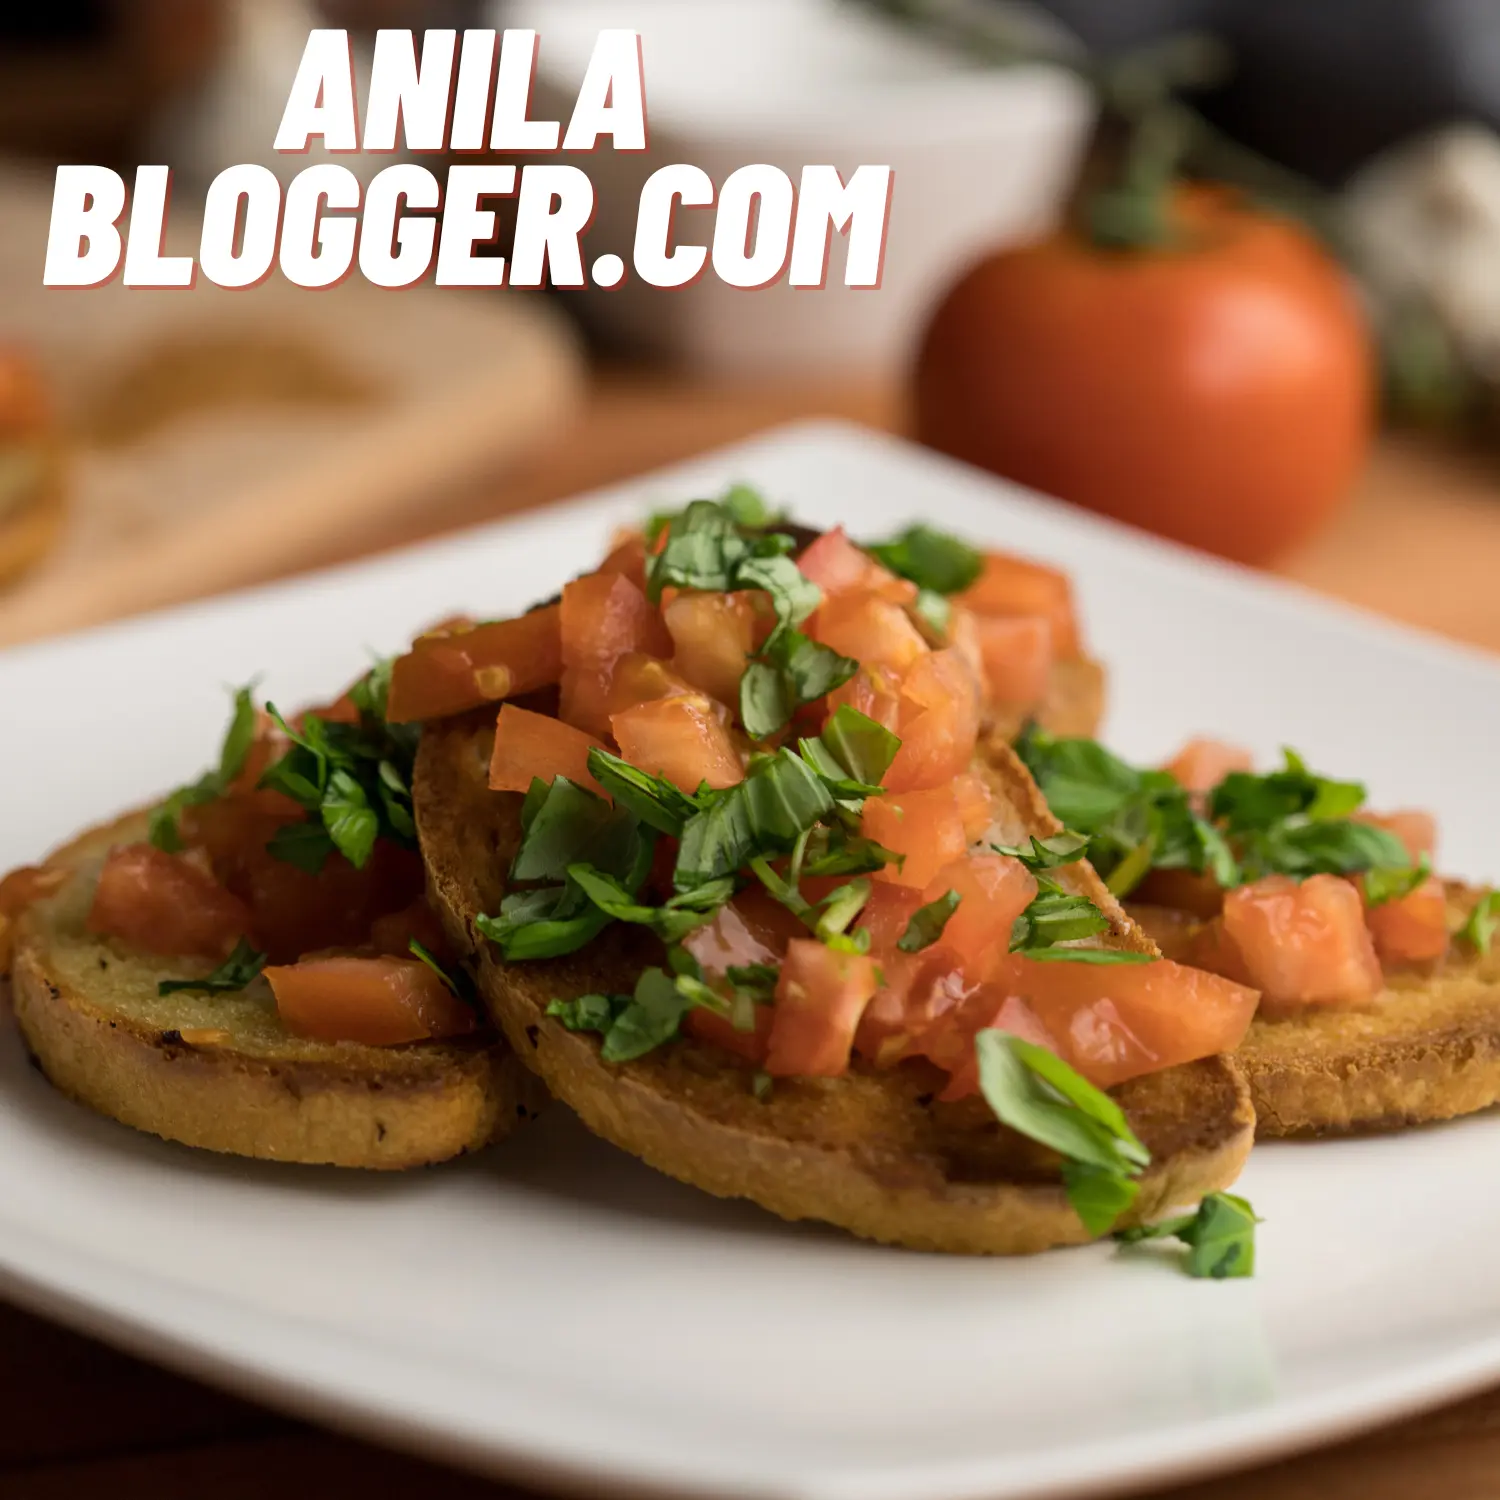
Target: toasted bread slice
[220, 1071]
[873, 1152]
[1427, 1049]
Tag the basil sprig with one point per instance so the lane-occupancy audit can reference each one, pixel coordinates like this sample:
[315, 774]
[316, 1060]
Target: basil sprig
[926, 924]
[235, 973]
[162, 829]
[1220, 1237]
[936, 562]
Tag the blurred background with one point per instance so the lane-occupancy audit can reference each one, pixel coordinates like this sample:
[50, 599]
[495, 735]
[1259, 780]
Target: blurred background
[1227, 269]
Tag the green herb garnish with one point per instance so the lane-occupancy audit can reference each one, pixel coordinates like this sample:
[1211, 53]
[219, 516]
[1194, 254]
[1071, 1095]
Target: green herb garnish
[931, 559]
[927, 923]
[1479, 927]
[243, 965]
[1220, 1237]
[162, 830]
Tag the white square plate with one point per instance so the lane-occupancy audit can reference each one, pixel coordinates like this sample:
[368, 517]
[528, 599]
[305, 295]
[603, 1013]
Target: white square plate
[554, 1309]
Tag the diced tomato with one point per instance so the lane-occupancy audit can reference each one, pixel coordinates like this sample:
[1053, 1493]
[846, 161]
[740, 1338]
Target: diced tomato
[395, 932]
[753, 928]
[295, 912]
[714, 635]
[638, 678]
[1182, 890]
[1202, 764]
[872, 630]
[837, 566]
[963, 637]
[680, 738]
[991, 1009]
[167, 904]
[927, 827]
[993, 891]
[708, 1026]
[1211, 948]
[1017, 586]
[1017, 654]
[1417, 830]
[381, 1002]
[628, 556]
[938, 1018]
[446, 674]
[528, 745]
[1117, 1021]
[1412, 929]
[976, 804]
[819, 999]
[882, 1033]
[874, 693]
[938, 724]
[1304, 944]
[604, 615]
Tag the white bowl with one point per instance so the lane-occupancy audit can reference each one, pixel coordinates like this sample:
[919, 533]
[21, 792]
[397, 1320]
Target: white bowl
[982, 157]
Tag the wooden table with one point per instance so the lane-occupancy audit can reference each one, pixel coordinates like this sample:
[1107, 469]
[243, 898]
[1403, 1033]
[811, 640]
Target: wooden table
[1421, 542]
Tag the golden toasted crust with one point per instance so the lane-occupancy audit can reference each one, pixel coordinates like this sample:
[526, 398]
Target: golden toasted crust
[873, 1152]
[219, 1071]
[1427, 1049]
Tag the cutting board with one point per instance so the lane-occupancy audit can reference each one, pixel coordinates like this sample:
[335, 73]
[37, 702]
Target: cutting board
[217, 438]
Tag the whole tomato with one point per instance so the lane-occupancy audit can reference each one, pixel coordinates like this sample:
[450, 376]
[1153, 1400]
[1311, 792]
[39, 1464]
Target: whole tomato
[1218, 390]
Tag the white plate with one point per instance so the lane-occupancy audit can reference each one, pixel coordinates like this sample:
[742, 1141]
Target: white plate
[556, 1310]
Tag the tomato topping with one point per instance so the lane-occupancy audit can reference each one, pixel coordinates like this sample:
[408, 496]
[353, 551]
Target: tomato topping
[938, 724]
[394, 932]
[1117, 1021]
[714, 635]
[1417, 830]
[681, 738]
[1213, 949]
[448, 673]
[1202, 764]
[819, 999]
[837, 566]
[528, 745]
[381, 1002]
[993, 891]
[876, 694]
[1304, 944]
[628, 557]
[1181, 890]
[926, 827]
[990, 1009]
[873, 630]
[708, 1026]
[754, 928]
[604, 615]
[1413, 928]
[976, 804]
[1017, 586]
[167, 904]
[1017, 654]
[938, 1012]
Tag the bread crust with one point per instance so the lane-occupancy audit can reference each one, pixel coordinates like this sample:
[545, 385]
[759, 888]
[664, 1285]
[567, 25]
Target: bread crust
[1427, 1049]
[234, 1081]
[874, 1152]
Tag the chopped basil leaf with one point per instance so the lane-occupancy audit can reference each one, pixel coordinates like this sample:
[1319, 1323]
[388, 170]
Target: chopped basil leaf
[793, 670]
[1220, 1237]
[1391, 882]
[1045, 854]
[1054, 916]
[785, 891]
[794, 596]
[930, 559]
[1038, 1095]
[547, 922]
[834, 851]
[588, 1012]
[862, 747]
[610, 896]
[934, 611]
[839, 908]
[1243, 800]
[653, 799]
[778, 801]
[243, 965]
[162, 830]
[534, 800]
[760, 979]
[766, 705]
[652, 1017]
[423, 953]
[761, 1086]
[574, 825]
[305, 845]
[857, 941]
[1479, 927]
[748, 507]
[1089, 956]
[352, 823]
[927, 923]
[1098, 1197]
